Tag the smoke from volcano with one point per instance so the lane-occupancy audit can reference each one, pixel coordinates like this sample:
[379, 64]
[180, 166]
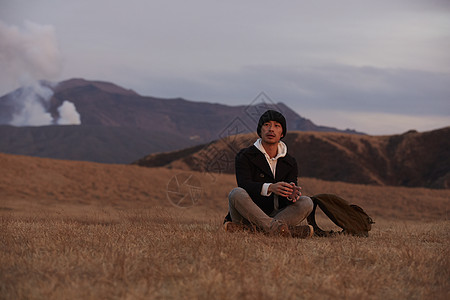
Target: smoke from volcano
[30, 106]
[68, 114]
[28, 55]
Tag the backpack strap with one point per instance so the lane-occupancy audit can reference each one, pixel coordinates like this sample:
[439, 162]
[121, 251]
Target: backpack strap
[351, 218]
[312, 221]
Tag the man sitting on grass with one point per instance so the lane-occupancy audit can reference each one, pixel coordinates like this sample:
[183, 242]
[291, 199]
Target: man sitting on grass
[267, 197]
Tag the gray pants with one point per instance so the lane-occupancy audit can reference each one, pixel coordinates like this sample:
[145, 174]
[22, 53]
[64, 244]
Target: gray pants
[244, 210]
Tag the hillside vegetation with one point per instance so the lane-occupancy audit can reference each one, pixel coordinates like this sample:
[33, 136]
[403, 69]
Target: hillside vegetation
[411, 159]
[78, 230]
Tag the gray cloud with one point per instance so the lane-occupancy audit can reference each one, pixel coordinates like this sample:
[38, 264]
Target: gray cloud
[377, 57]
[332, 86]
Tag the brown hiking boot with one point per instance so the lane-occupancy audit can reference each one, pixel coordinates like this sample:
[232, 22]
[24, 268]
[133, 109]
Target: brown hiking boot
[234, 227]
[302, 231]
[284, 231]
[278, 228]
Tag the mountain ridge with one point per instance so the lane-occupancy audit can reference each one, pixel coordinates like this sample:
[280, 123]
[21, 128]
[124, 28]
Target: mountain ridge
[118, 125]
[411, 159]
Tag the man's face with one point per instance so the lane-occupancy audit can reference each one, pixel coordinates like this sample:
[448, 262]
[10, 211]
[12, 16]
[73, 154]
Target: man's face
[271, 132]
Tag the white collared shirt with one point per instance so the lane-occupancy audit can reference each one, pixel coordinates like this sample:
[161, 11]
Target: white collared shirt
[282, 151]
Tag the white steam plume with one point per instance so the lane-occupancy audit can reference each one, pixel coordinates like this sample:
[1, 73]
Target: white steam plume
[28, 55]
[30, 106]
[68, 114]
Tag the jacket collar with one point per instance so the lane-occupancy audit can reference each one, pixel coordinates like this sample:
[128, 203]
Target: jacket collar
[257, 157]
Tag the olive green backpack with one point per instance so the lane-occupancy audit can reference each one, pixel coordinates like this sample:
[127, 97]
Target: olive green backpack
[351, 218]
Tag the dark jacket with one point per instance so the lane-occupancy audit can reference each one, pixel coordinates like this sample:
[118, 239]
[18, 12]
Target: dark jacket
[252, 171]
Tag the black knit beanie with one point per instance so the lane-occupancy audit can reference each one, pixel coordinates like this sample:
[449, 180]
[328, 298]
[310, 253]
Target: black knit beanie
[271, 115]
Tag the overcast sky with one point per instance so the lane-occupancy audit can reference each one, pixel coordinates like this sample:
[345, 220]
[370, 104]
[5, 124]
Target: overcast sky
[381, 66]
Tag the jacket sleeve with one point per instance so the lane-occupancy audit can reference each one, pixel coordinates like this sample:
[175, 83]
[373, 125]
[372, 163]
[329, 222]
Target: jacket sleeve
[245, 177]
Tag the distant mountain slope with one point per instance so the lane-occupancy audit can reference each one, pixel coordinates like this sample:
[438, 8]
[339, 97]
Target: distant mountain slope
[101, 103]
[410, 159]
[117, 123]
[88, 143]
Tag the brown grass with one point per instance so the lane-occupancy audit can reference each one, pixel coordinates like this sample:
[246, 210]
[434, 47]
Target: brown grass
[74, 230]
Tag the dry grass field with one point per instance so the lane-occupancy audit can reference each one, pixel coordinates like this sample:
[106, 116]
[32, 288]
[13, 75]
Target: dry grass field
[77, 230]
